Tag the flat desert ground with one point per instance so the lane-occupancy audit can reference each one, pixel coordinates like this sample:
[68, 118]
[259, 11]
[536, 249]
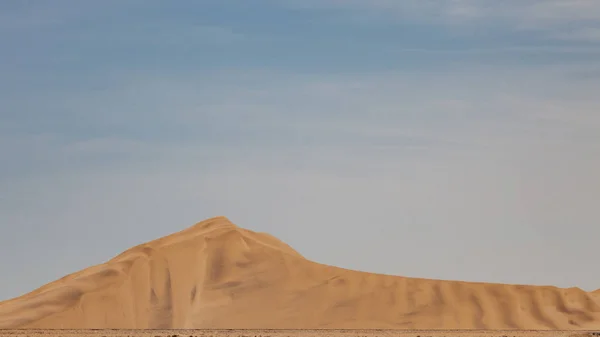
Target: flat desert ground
[216, 275]
[292, 333]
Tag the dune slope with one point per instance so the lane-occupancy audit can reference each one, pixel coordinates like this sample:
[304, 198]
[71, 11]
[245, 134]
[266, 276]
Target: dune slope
[217, 275]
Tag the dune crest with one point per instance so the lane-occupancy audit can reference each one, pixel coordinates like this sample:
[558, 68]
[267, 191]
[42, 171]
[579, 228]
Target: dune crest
[217, 275]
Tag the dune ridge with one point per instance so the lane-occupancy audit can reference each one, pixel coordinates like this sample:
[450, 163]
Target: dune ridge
[218, 275]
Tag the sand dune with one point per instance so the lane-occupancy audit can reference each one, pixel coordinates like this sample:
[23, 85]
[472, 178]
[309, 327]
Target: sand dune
[217, 275]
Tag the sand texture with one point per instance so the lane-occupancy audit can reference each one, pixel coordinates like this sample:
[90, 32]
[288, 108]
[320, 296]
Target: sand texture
[297, 333]
[216, 275]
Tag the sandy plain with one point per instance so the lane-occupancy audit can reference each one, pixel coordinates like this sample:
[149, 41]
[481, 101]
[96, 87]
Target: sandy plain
[294, 333]
[216, 275]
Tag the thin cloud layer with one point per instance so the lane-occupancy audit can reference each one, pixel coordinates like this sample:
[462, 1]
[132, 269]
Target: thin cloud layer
[553, 19]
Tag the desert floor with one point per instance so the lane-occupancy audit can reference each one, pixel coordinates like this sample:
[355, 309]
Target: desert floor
[297, 333]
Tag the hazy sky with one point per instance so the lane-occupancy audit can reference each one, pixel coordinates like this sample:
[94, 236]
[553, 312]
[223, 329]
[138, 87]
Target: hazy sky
[438, 139]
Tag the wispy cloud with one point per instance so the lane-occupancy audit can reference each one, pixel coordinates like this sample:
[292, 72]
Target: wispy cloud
[20, 17]
[533, 10]
[583, 34]
[550, 18]
[271, 112]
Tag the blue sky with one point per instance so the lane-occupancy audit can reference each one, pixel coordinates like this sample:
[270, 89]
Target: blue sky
[465, 130]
